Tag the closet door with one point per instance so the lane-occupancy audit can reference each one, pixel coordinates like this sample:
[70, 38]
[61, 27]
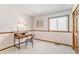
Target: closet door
[76, 29]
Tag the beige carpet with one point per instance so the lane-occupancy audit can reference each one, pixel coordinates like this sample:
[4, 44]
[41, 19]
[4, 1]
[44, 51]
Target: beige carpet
[40, 47]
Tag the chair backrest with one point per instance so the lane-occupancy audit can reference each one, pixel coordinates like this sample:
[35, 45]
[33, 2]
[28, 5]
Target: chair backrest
[32, 36]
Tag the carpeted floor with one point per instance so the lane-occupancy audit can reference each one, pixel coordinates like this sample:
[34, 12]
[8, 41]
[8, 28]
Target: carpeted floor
[40, 47]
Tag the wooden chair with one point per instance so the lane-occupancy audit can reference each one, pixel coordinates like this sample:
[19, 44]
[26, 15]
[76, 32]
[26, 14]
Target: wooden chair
[30, 40]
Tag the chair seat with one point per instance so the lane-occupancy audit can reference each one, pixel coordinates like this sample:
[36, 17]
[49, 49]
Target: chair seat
[30, 40]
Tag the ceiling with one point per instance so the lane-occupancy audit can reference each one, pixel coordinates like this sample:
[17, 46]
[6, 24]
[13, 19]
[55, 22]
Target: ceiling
[37, 9]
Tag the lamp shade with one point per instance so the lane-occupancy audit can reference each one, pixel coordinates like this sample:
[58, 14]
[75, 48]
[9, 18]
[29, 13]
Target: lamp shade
[21, 28]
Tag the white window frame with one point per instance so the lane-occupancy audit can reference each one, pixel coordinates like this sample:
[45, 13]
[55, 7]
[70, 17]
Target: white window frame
[57, 24]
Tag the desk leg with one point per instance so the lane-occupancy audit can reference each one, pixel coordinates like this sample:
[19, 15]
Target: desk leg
[14, 40]
[19, 43]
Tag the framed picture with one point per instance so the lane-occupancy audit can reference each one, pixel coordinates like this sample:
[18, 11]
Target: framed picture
[39, 23]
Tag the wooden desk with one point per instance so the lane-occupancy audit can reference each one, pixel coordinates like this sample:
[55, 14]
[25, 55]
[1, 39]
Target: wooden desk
[19, 36]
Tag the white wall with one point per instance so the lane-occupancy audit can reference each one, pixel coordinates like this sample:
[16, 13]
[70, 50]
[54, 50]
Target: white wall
[45, 19]
[8, 22]
[6, 40]
[10, 18]
[65, 38]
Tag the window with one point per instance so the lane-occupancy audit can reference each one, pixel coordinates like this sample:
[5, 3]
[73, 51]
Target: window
[59, 23]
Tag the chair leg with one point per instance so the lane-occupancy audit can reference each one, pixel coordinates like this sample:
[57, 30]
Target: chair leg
[25, 44]
[32, 43]
[14, 40]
